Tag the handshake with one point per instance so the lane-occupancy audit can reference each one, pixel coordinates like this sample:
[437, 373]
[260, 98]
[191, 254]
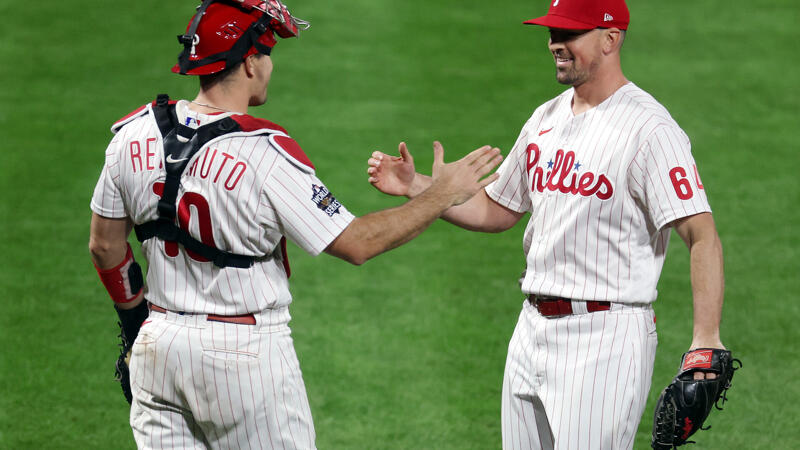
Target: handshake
[457, 181]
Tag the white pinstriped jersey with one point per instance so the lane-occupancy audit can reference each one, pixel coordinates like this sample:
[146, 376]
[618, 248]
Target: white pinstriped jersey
[242, 192]
[602, 188]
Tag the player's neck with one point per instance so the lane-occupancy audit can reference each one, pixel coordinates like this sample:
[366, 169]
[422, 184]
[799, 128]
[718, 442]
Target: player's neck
[215, 101]
[597, 90]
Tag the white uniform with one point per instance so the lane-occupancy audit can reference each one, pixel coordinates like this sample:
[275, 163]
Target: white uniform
[201, 383]
[602, 188]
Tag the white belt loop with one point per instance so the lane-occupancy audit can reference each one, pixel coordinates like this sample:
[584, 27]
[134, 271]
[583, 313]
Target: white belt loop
[579, 307]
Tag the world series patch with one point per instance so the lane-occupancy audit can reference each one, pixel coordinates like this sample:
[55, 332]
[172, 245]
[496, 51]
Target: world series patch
[325, 200]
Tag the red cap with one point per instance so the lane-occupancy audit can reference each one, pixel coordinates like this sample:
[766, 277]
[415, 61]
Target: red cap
[585, 15]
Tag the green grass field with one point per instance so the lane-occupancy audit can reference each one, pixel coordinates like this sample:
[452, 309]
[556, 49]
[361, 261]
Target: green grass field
[406, 352]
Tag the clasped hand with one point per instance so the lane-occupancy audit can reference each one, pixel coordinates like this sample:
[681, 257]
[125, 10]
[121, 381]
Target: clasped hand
[396, 175]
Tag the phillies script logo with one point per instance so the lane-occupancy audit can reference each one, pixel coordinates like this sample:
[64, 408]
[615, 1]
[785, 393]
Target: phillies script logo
[561, 177]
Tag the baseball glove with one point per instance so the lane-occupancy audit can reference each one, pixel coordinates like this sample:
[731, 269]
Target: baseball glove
[685, 404]
[121, 371]
[130, 321]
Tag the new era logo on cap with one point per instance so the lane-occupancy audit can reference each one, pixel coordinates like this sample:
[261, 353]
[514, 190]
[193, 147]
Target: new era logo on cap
[585, 15]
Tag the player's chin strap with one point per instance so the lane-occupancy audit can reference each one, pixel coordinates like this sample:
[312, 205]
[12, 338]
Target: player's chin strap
[181, 143]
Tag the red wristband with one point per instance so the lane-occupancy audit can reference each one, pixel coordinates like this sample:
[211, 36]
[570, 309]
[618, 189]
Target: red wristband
[124, 282]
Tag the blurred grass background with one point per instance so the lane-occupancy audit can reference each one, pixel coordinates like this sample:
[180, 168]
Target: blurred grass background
[406, 352]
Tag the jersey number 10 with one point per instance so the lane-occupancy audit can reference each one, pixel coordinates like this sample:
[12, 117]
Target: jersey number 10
[200, 204]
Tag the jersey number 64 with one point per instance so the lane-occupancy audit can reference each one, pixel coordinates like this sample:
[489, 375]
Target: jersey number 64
[680, 181]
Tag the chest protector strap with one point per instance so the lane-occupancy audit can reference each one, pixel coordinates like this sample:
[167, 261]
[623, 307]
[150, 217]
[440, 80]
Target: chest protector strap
[181, 143]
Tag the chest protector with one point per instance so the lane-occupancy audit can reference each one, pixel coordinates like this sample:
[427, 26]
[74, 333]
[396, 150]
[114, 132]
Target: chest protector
[181, 143]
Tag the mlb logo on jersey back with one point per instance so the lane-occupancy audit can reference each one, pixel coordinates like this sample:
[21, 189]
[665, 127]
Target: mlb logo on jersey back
[325, 200]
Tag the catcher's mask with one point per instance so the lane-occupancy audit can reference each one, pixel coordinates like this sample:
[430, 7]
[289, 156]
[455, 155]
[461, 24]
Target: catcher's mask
[224, 32]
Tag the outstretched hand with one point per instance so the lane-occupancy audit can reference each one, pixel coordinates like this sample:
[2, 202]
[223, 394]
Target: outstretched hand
[462, 179]
[392, 175]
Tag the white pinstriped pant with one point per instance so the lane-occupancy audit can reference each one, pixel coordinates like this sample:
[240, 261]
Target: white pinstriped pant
[204, 384]
[579, 381]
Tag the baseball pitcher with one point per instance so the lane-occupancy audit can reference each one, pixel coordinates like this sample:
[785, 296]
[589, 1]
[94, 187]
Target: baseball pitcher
[606, 174]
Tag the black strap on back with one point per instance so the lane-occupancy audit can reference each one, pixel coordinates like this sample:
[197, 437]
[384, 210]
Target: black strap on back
[181, 143]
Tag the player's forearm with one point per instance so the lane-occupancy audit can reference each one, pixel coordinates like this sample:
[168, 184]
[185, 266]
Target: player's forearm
[479, 213]
[707, 290]
[378, 232]
[108, 242]
[107, 254]
[113, 259]
[419, 185]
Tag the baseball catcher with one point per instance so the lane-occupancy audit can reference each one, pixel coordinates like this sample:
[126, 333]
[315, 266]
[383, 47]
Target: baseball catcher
[685, 404]
[213, 194]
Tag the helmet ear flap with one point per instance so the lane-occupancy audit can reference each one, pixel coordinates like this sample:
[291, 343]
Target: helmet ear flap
[190, 39]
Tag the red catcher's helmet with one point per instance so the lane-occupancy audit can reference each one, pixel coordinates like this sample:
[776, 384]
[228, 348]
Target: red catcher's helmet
[224, 32]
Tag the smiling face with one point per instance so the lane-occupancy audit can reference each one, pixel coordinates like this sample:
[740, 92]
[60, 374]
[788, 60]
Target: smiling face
[577, 54]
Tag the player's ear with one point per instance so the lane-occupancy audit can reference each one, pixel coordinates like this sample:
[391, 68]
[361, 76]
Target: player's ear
[249, 65]
[612, 40]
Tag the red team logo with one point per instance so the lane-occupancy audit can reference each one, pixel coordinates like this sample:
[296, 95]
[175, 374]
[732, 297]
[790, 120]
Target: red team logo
[687, 427]
[560, 176]
[700, 359]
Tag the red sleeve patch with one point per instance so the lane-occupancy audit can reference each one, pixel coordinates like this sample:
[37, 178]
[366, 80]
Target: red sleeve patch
[291, 147]
[287, 145]
[699, 359]
[250, 123]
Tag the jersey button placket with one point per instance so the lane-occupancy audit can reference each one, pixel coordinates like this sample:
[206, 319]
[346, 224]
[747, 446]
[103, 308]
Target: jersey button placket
[540, 352]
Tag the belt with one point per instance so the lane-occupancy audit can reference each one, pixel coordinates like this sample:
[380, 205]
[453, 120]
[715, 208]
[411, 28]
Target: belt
[552, 306]
[242, 319]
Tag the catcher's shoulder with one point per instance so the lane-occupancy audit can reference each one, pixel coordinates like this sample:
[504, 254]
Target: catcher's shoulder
[250, 124]
[133, 115]
[279, 139]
